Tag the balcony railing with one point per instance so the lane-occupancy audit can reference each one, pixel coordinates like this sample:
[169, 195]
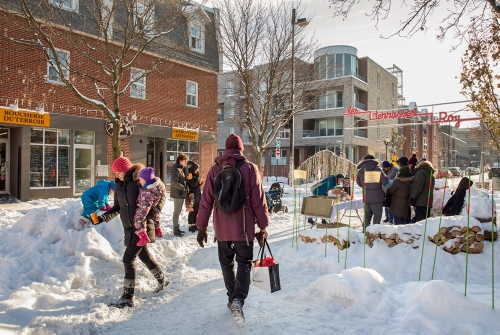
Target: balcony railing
[360, 105]
[361, 133]
[322, 133]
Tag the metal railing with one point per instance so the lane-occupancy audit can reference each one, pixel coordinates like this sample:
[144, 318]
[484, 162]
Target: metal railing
[361, 133]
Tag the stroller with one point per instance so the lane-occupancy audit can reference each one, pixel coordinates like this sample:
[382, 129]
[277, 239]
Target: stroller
[273, 197]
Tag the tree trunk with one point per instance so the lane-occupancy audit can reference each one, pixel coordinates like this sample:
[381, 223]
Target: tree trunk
[258, 158]
[116, 140]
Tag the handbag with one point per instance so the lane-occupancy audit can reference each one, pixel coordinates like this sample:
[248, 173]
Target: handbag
[387, 200]
[265, 272]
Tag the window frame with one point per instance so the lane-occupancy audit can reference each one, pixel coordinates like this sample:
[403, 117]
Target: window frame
[74, 5]
[149, 25]
[191, 94]
[137, 82]
[378, 82]
[49, 66]
[197, 39]
[424, 143]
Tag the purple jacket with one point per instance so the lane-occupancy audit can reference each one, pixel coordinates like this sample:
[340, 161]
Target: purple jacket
[229, 227]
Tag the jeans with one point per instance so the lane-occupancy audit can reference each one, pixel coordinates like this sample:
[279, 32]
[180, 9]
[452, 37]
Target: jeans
[177, 211]
[374, 210]
[388, 214]
[398, 220]
[421, 212]
[237, 285]
[130, 254]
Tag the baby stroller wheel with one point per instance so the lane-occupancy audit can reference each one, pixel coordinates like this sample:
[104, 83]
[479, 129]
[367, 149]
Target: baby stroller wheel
[285, 209]
[277, 207]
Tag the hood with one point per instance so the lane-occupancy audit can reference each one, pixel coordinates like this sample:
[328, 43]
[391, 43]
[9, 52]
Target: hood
[405, 179]
[230, 157]
[192, 167]
[425, 165]
[103, 183]
[369, 164]
[154, 183]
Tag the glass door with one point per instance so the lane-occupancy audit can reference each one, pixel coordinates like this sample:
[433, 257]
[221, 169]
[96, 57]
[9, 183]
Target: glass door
[4, 166]
[84, 168]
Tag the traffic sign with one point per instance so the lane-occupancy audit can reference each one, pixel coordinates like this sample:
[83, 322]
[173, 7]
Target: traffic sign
[278, 153]
[278, 143]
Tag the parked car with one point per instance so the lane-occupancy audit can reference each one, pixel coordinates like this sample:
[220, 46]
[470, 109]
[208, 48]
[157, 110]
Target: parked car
[455, 171]
[443, 173]
[471, 170]
[494, 172]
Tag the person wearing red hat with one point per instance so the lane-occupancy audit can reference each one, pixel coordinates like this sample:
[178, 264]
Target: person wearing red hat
[411, 163]
[235, 232]
[125, 204]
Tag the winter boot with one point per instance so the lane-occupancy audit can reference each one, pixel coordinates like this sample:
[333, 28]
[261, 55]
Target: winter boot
[193, 228]
[162, 281]
[143, 238]
[82, 223]
[178, 232]
[237, 312]
[127, 298]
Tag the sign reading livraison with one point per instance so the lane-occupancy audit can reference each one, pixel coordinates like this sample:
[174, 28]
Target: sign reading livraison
[190, 135]
[24, 117]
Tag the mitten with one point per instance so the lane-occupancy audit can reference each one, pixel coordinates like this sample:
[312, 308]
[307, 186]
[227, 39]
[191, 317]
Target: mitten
[413, 201]
[189, 176]
[202, 236]
[158, 232]
[101, 220]
[260, 238]
[106, 208]
[143, 238]
[201, 181]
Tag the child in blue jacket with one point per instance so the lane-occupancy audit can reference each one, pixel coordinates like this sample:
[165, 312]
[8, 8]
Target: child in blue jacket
[93, 199]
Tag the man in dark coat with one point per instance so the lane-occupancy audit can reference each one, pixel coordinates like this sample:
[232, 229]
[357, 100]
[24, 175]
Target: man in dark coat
[399, 191]
[374, 195]
[125, 203]
[235, 232]
[178, 190]
[194, 183]
[422, 190]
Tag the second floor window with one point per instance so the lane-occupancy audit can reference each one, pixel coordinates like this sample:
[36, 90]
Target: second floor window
[192, 93]
[138, 86]
[323, 127]
[332, 99]
[196, 40]
[52, 72]
[284, 133]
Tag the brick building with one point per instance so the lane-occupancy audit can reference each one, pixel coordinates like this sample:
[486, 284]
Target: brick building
[65, 148]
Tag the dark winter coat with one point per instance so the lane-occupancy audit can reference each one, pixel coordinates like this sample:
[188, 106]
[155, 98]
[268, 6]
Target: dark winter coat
[374, 192]
[194, 184]
[95, 197]
[456, 203]
[178, 185]
[422, 181]
[322, 187]
[125, 204]
[229, 227]
[399, 191]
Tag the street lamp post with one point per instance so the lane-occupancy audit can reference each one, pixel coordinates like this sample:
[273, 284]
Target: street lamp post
[302, 22]
[386, 141]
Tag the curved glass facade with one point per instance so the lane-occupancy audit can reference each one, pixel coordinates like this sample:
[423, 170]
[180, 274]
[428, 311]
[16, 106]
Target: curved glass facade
[335, 61]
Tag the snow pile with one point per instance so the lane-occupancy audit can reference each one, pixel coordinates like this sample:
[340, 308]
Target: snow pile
[480, 204]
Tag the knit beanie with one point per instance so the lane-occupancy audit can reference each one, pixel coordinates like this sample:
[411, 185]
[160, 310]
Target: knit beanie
[369, 157]
[340, 175]
[402, 161]
[386, 164]
[234, 142]
[112, 185]
[121, 164]
[404, 171]
[148, 174]
[413, 160]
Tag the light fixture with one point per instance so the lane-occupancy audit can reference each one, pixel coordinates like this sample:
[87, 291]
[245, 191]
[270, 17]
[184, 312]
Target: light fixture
[40, 110]
[134, 116]
[185, 128]
[15, 105]
[302, 22]
[197, 129]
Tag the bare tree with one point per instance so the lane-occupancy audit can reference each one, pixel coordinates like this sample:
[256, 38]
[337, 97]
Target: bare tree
[396, 143]
[110, 36]
[256, 41]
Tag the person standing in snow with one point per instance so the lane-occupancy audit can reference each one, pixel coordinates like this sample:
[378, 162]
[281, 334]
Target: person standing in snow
[151, 193]
[94, 199]
[235, 232]
[125, 204]
[412, 162]
[400, 190]
[374, 195]
[178, 190]
[420, 196]
[391, 172]
[194, 183]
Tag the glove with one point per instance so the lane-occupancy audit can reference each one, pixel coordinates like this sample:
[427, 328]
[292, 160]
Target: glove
[201, 182]
[101, 220]
[189, 176]
[202, 235]
[106, 208]
[158, 232]
[413, 201]
[260, 238]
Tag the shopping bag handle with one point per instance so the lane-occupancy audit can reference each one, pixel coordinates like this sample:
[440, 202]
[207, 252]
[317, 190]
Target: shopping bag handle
[261, 251]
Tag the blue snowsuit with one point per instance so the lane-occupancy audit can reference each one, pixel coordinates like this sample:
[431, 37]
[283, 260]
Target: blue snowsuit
[325, 185]
[96, 197]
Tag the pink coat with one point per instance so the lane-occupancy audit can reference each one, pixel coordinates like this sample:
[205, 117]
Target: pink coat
[229, 227]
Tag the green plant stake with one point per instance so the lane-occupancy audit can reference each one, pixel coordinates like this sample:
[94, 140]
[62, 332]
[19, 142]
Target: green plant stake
[348, 243]
[294, 212]
[439, 227]
[326, 226]
[425, 224]
[467, 239]
[492, 245]
[364, 221]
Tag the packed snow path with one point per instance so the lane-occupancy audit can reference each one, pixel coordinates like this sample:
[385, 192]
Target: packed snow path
[57, 280]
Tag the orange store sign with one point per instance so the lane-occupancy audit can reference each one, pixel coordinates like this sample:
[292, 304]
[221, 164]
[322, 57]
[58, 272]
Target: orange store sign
[24, 117]
[190, 135]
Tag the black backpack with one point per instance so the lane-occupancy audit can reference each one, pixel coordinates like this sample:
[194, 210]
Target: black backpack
[229, 191]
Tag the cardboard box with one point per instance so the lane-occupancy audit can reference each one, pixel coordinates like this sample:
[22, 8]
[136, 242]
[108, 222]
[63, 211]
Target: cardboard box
[321, 207]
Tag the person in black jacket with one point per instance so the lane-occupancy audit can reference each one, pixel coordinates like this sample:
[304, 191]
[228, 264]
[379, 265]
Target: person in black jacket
[178, 190]
[194, 183]
[125, 204]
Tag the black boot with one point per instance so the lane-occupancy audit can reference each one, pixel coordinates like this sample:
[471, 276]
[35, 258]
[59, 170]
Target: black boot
[127, 298]
[178, 232]
[162, 281]
[193, 228]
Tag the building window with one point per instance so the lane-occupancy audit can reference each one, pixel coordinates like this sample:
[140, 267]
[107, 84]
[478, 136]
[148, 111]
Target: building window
[196, 41]
[323, 127]
[192, 93]
[393, 90]
[378, 82]
[378, 133]
[231, 130]
[176, 147]
[220, 114]
[413, 123]
[229, 87]
[279, 161]
[138, 86]
[331, 99]
[49, 161]
[284, 133]
[434, 130]
[71, 5]
[435, 144]
[52, 73]
[145, 17]
[414, 143]
[231, 109]
[378, 103]
[424, 143]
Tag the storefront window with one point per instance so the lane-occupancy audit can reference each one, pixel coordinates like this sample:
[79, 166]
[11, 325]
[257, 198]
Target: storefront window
[84, 137]
[174, 148]
[49, 161]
